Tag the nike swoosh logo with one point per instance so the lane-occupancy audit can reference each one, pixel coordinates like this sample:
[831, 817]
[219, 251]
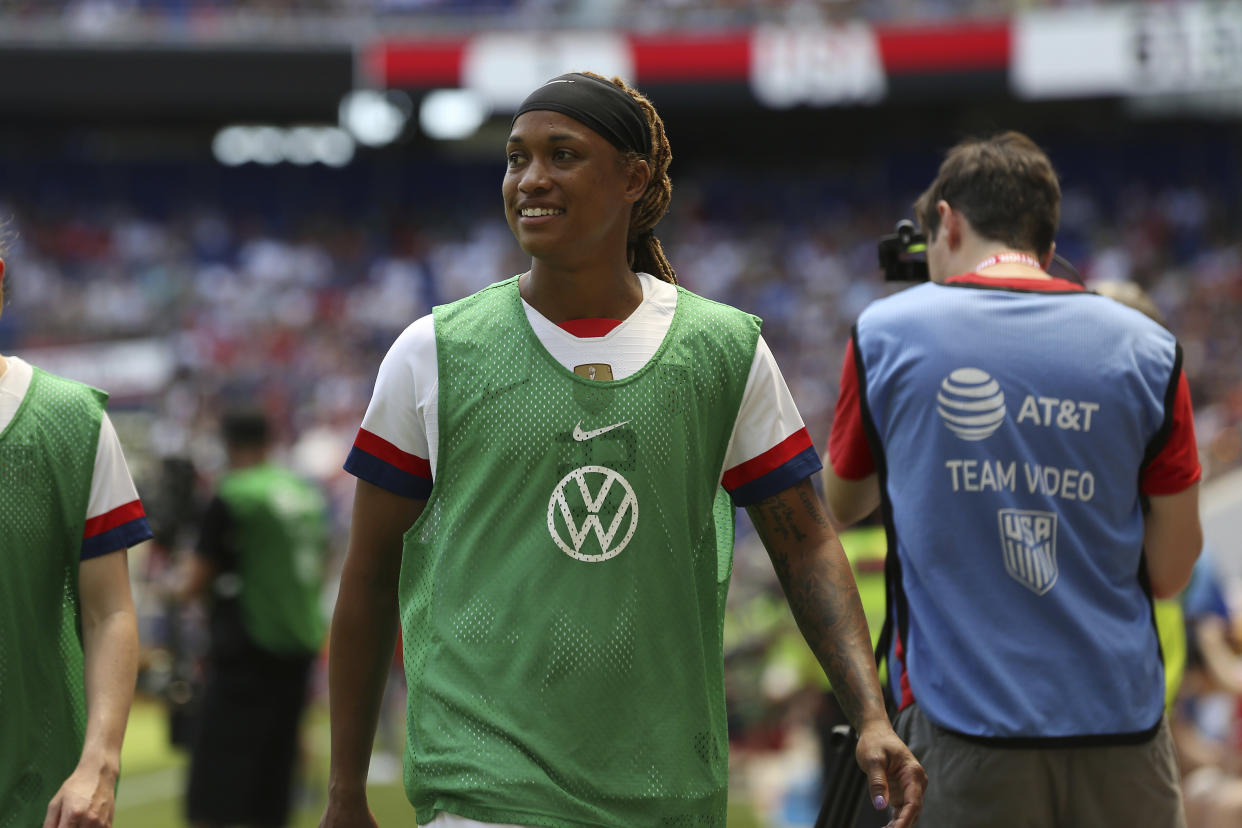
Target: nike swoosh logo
[581, 435]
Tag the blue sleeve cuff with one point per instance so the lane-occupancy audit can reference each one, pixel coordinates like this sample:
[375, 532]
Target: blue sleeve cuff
[370, 468]
[119, 537]
[793, 471]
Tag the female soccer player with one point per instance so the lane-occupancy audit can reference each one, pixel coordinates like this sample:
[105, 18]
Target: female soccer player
[545, 472]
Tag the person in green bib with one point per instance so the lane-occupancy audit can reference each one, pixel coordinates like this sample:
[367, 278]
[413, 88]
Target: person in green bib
[548, 471]
[68, 631]
[260, 558]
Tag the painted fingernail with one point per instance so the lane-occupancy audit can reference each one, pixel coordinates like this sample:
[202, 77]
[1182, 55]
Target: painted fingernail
[879, 803]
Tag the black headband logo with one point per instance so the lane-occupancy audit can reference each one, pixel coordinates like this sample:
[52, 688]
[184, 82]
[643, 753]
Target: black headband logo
[601, 105]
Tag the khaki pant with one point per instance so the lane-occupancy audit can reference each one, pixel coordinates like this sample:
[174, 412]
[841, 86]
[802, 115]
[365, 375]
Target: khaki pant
[971, 785]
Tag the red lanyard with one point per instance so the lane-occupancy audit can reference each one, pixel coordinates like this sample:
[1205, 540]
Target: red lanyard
[1008, 258]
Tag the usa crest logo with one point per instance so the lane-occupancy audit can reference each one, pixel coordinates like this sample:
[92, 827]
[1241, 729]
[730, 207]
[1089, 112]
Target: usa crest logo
[592, 514]
[1029, 545]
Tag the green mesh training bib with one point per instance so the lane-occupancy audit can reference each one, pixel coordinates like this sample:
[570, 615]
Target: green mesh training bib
[281, 532]
[47, 457]
[562, 595]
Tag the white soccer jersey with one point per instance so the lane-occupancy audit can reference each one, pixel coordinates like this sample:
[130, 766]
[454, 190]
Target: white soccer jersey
[114, 516]
[443, 820]
[396, 448]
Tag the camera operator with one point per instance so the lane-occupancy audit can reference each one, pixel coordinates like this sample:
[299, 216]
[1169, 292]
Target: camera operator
[1032, 449]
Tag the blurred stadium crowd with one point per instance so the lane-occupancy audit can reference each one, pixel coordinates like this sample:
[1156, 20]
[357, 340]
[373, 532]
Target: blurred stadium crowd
[276, 294]
[106, 16]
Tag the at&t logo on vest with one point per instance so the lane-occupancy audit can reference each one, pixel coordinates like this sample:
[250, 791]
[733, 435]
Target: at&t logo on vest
[971, 403]
[592, 514]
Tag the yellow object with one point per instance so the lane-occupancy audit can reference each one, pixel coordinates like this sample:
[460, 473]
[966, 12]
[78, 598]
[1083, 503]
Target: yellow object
[1171, 627]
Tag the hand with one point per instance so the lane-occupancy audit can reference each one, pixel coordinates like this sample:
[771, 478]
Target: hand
[85, 800]
[347, 812]
[894, 776]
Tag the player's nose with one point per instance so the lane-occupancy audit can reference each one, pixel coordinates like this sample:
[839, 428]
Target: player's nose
[534, 177]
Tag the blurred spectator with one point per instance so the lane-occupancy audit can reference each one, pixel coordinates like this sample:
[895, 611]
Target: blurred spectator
[1206, 725]
[260, 561]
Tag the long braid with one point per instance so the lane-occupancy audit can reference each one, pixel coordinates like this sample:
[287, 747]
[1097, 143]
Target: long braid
[7, 236]
[643, 249]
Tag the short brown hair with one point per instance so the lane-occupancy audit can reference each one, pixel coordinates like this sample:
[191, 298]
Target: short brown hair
[1004, 185]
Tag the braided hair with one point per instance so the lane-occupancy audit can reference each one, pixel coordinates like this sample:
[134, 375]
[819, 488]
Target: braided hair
[6, 238]
[643, 250]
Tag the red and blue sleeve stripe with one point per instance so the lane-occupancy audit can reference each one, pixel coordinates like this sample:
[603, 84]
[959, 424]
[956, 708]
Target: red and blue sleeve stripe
[787, 463]
[120, 528]
[380, 463]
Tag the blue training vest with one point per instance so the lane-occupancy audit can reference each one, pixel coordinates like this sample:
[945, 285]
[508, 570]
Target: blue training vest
[1012, 430]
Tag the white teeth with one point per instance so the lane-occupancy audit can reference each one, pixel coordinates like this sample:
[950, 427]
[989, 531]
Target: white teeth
[532, 212]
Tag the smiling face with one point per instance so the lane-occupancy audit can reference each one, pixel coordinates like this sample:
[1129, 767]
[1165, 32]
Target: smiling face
[567, 191]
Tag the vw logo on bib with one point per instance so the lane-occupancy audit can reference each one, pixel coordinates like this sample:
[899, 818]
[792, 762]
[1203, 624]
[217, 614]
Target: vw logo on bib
[585, 522]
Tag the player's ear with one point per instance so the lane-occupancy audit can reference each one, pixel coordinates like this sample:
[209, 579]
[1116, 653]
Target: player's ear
[639, 176]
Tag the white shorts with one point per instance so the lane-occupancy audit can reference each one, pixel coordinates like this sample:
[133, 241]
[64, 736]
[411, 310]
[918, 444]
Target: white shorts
[443, 820]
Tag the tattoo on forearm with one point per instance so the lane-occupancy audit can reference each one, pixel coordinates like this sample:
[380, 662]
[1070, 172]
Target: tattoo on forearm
[778, 516]
[806, 494]
[830, 614]
[822, 594]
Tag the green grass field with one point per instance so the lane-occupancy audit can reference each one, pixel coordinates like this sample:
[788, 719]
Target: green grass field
[153, 779]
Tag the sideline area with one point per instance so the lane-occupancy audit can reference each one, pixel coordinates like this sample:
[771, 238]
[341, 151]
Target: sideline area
[153, 778]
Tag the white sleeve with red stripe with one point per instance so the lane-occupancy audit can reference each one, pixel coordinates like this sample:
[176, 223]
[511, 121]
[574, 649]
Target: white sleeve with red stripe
[770, 449]
[115, 519]
[394, 447]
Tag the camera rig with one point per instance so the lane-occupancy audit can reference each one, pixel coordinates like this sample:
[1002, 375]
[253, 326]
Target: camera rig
[903, 257]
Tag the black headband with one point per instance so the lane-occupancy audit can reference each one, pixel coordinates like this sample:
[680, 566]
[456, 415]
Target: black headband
[603, 106]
